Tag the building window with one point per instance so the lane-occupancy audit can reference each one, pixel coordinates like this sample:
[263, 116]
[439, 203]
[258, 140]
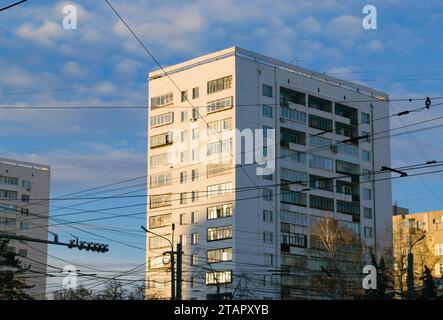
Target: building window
[7, 222]
[194, 217]
[218, 277]
[194, 134]
[23, 225]
[219, 189]
[160, 200]
[293, 155]
[218, 105]
[320, 123]
[160, 221]
[184, 96]
[9, 195]
[267, 111]
[368, 232]
[160, 180]
[320, 104]
[294, 197]
[267, 194]
[26, 184]
[183, 197]
[268, 237]
[156, 242]
[219, 255]
[365, 118]
[293, 176]
[294, 217]
[219, 126]
[195, 114]
[184, 116]
[321, 203]
[268, 259]
[194, 154]
[292, 114]
[268, 216]
[194, 260]
[25, 197]
[23, 211]
[160, 160]
[161, 120]
[294, 239]
[195, 238]
[195, 93]
[319, 162]
[219, 84]
[161, 139]
[218, 212]
[183, 219]
[267, 90]
[183, 239]
[366, 175]
[161, 101]
[317, 141]
[183, 176]
[215, 148]
[194, 174]
[347, 148]
[366, 155]
[438, 249]
[182, 156]
[367, 194]
[219, 233]
[8, 180]
[367, 213]
[367, 135]
[194, 196]
[346, 207]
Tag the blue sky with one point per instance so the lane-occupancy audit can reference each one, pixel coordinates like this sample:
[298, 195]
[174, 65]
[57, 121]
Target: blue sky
[88, 148]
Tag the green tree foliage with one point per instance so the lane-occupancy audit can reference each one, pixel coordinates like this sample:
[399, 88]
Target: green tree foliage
[429, 289]
[384, 282]
[11, 288]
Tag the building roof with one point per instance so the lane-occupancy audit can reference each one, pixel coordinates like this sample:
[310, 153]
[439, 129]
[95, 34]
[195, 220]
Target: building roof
[24, 164]
[237, 51]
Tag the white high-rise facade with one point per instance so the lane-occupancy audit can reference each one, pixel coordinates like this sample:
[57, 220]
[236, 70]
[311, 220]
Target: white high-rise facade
[245, 234]
[20, 182]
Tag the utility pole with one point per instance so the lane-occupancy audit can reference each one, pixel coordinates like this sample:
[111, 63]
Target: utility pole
[410, 273]
[179, 271]
[172, 260]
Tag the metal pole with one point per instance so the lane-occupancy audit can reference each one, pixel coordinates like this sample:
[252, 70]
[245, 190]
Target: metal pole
[173, 297]
[410, 275]
[179, 272]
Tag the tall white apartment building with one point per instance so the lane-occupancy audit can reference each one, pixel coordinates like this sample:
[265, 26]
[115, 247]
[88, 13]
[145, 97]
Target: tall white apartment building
[244, 235]
[20, 182]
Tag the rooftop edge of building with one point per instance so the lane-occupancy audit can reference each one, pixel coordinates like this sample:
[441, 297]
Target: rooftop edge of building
[24, 164]
[228, 52]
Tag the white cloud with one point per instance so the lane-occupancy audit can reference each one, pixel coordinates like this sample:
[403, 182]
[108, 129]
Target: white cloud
[73, 69]
[374, 46]
[309, 26]
[45, 35]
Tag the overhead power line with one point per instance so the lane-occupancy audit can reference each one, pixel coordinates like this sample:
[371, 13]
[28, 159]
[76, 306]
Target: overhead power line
[12, 5]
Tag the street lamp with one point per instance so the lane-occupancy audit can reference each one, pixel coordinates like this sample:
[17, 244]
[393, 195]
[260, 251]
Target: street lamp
[410, 273]
[172, 257]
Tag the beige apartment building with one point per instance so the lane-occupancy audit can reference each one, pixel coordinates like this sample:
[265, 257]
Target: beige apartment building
[20, 182]
[409, 228]
[245, 226]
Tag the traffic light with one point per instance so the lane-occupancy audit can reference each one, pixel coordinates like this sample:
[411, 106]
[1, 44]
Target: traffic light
[88, 246]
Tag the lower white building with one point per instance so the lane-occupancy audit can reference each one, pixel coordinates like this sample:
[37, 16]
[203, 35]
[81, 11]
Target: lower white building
[20, 182]
[248, 233]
